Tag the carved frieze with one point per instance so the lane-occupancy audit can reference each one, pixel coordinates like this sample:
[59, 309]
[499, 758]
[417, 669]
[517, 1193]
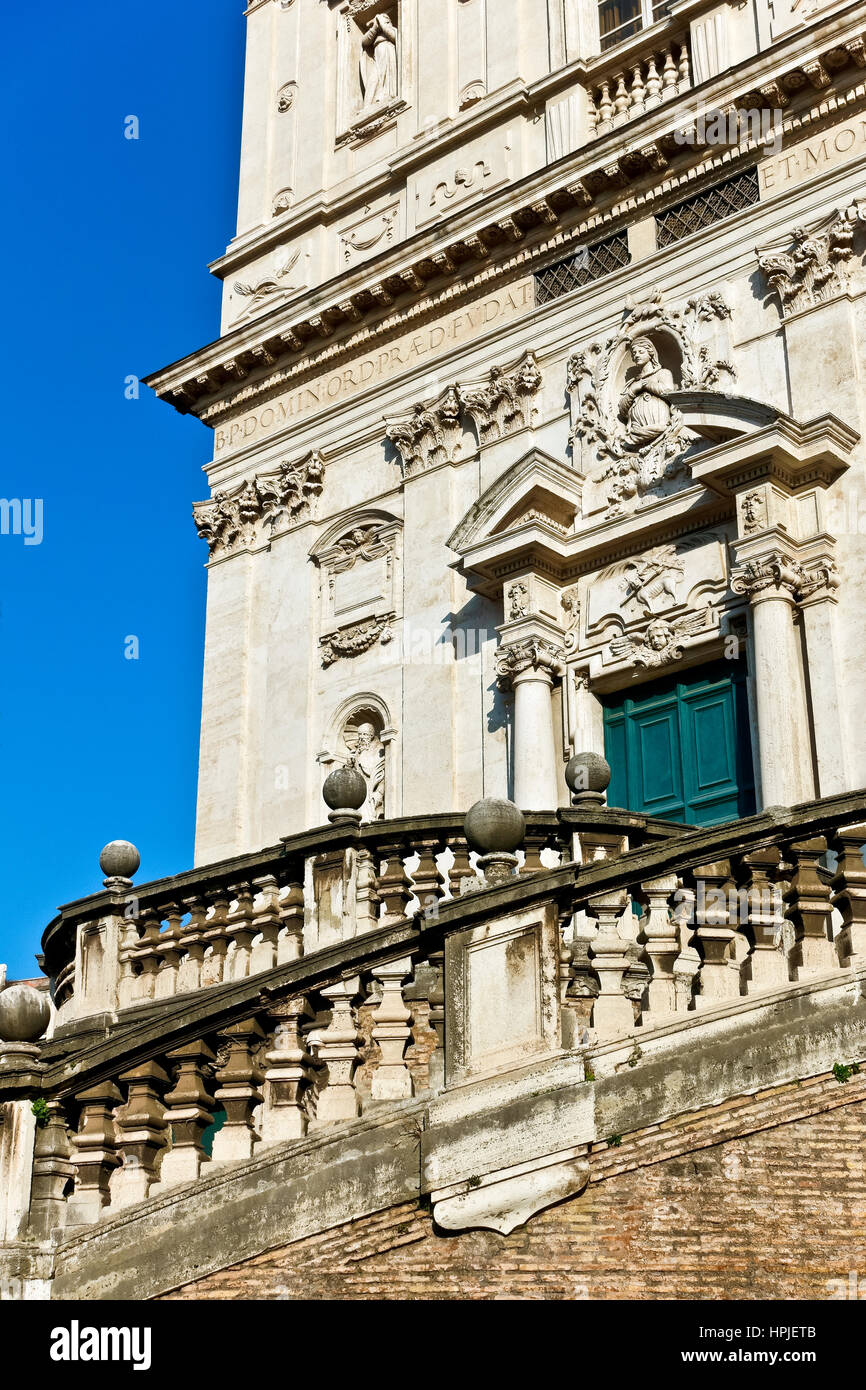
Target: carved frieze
[813, 265]
[254, 510]
[430, 434]
[504, 403]
[622, 388]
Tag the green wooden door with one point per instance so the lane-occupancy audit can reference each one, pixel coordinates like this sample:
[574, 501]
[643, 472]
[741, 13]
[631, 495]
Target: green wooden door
[680, 748]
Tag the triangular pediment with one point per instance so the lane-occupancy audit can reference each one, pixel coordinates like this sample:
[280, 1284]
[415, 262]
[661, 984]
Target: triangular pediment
[536, 489]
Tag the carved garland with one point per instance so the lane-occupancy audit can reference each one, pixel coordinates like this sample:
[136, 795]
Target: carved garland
[351, 641]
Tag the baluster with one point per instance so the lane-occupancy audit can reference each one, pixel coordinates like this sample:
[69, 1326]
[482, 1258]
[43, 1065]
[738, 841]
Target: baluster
[217, 936]
[653, 94]
[192, 943]
[141, 1134]
[620, 100]
[189, 1109]
[669, 74]
[605, 108]
[392, 1079]
[613, 1014]
[238, 1090]
[460, 869]
[720, 973]
[849, 888]
[808, 902]
[591, 114]
[339, 1052]
[127, 983]
[289, 1073]
[366, 897]
[638, 90]
[662, 945]
[683, 71]
[168, 954]
[94, 1152]
[688, 963]
[242, 931]
[148, 955]
[290, 945]
[52, 1171]
[266, 924]
[533, 843]
[427, 880]
[394, 885]
[768, 960]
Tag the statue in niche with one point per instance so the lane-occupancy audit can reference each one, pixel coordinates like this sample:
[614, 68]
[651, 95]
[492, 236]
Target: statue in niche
[378, 62]
[368, 755]
[643, 405]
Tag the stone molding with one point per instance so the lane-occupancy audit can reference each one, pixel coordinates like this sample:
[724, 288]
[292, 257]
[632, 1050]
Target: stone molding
[817, 262]
[597, 175]
[232, 521]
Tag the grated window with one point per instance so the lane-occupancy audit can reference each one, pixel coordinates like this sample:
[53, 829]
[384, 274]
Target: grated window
[713, 205]
[587, 264]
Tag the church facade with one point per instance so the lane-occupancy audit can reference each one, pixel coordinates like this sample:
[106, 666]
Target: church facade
[537, 424]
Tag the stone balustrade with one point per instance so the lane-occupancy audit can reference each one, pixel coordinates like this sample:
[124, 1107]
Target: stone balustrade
[639, 929]
[642, 80]
[137, 945]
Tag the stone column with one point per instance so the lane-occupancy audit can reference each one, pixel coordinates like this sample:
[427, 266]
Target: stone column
[530, 667]
[188, 1112]
[94, 1152]
[784, 738]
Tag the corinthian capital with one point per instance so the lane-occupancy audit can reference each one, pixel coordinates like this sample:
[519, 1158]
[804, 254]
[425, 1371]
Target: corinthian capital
[768, 573]
[532, 654]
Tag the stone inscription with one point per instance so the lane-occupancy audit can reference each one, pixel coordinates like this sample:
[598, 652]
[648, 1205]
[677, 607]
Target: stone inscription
[346, 381]
[839, 145]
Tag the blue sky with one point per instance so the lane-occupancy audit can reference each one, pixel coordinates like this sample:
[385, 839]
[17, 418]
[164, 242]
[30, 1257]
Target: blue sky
[106, 247]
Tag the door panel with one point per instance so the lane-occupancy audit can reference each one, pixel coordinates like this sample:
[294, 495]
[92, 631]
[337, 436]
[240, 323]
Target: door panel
[680, 749]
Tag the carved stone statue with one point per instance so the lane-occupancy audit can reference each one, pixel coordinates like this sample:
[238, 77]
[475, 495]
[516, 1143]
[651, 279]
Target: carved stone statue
[378, 62]
[643, 405]
[370, 760]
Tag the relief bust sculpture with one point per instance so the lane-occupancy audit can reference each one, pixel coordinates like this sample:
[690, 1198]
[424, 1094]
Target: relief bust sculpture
[378, 62]
[643, 405]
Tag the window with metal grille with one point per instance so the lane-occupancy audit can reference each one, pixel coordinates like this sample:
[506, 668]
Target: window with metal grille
[708, 207]
[588, 263]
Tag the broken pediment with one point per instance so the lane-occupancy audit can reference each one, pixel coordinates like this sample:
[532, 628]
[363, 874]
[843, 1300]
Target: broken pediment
[538, 488]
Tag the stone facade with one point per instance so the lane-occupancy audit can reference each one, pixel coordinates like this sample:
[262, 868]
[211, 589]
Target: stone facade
[517, 315]
[537, 398]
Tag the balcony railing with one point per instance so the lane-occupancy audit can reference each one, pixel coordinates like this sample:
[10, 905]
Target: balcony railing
[645, 75]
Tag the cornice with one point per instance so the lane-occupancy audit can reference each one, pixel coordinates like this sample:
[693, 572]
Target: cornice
[462, 256]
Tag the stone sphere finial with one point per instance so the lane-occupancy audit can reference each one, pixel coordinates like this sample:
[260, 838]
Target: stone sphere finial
[493, 826]
[345, 791]
[119, 859]
[588, 775]
[24, 1014]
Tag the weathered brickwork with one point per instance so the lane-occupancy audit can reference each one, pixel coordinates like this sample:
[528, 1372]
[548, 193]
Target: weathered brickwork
[761, 1198]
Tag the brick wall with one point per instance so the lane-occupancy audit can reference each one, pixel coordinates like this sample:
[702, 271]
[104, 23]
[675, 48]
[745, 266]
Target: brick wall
[762, 1197]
